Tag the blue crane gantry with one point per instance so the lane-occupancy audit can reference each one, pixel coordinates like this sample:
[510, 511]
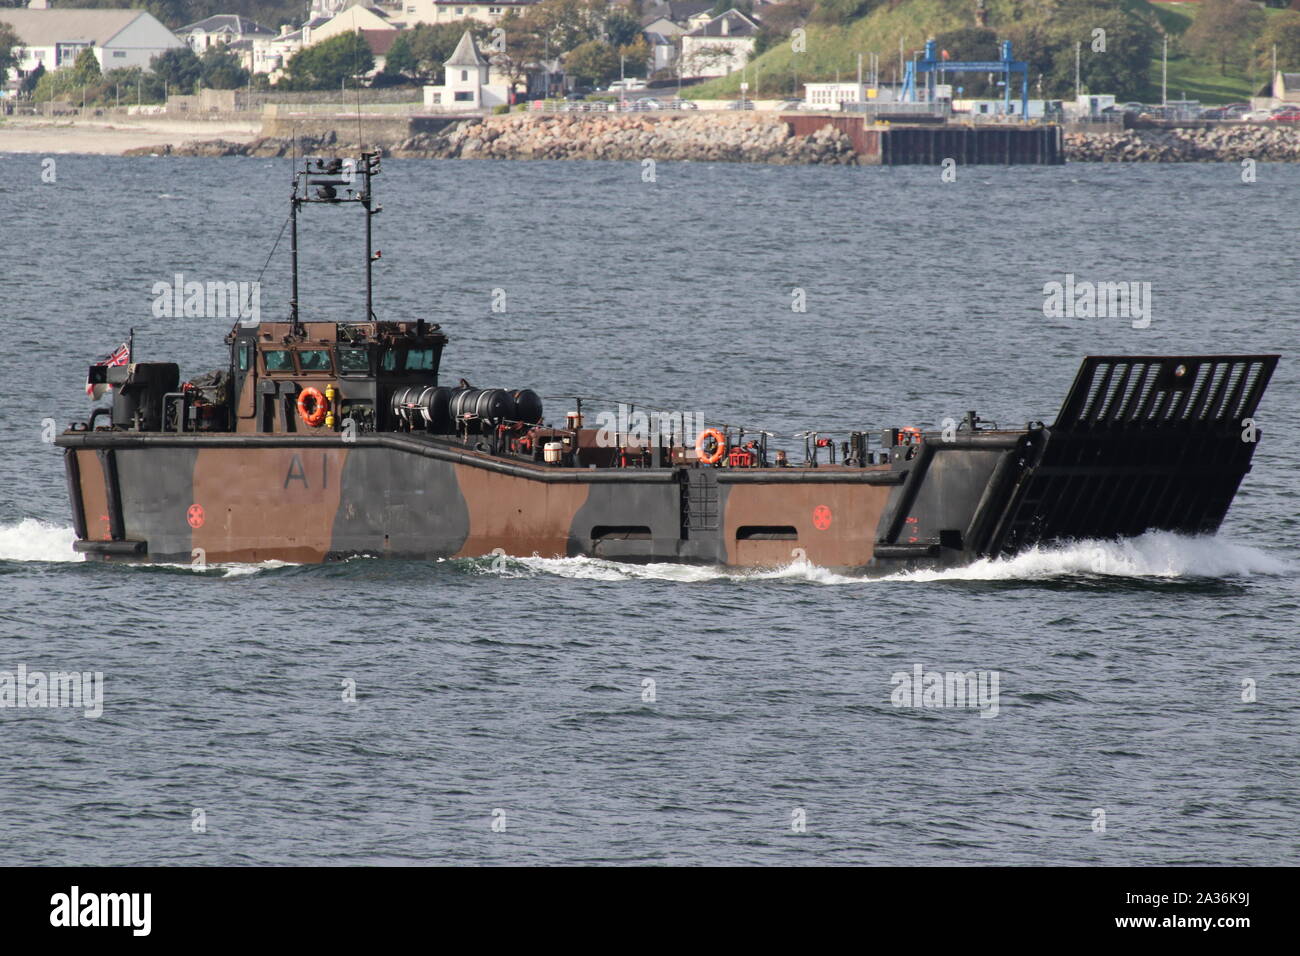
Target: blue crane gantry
[932, 65]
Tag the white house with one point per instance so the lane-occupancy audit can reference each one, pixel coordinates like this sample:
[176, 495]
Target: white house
[449, 11]
[358, 18]
[271, 54]
[54, 38]
[663, 51]
[371, 22]
[221, 30]
[466, 84]
[721, 46]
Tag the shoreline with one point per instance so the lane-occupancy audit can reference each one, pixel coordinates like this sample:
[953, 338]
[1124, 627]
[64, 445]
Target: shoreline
[752, 137]
[109, 138]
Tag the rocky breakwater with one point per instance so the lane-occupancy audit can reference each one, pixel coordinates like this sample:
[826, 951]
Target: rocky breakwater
[1220, 144]
[265, 146]
[706, 136]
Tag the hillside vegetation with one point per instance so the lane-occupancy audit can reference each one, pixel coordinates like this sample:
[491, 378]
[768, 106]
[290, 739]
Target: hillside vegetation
[1043, 32]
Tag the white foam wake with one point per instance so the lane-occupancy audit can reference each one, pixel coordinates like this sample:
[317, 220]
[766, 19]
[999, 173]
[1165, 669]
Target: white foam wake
[1157, 554]
[598, 569]
[1153, 555]
[32, 540]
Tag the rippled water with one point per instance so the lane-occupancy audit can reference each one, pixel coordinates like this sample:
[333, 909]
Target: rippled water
[519, 687]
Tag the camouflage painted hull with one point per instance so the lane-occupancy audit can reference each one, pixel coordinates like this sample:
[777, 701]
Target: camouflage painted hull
[250, 499]
[1119, 460]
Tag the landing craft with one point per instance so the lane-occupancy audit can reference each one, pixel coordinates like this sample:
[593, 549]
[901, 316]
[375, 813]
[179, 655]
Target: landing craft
[323, 440]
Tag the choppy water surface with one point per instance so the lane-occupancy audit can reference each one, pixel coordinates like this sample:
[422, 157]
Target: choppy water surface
[519, 687]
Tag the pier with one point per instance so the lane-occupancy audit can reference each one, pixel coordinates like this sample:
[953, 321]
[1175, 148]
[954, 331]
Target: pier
[930, 144]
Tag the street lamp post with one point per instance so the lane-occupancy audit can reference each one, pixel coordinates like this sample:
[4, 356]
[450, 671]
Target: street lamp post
[1164, 74]
[1078, 50]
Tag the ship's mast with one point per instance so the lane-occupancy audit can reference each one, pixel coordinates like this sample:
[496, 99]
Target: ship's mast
[334, 181]
[293, 245]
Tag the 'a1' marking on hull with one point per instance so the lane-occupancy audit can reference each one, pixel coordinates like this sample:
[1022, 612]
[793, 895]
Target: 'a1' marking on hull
[298, 473]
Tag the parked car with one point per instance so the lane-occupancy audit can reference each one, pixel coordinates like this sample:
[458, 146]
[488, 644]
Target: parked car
[1287, 116]
[1256, 116]
[684, 105]
[1214, 113]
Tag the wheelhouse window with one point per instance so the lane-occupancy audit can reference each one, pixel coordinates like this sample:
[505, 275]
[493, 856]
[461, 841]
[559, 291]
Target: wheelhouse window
[278, 360]
[419, 360]
[392, 361]
[353, 360]
[245, 356]
[314, 360]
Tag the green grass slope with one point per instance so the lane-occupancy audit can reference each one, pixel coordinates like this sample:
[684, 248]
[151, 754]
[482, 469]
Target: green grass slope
[1194, 79]
[832, 51]
[835, 48]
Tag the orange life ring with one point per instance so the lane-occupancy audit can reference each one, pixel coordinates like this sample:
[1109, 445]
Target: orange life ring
[719, 446]
[320, 405]
[909, 436]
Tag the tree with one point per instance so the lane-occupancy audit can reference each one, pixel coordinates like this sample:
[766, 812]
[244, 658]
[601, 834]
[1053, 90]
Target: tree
[1283, 30]
[328, 64]
[703, 60]
[123, 80]
[781, 18]
[86, 68]
[561, 26]
[722, 6]
[1225, 30]
[595, 62]
[622, 28]
[29, 82]
[177, 13]
[221, 70]
[1048, 46]
[179, 69]
[401, 59]
[839, 12]
[971, 43]
[518, 53]
[8, 41]
[433, 44]
[635, 57]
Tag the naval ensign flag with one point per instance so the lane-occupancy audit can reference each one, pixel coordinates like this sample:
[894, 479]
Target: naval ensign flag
[119, 356]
